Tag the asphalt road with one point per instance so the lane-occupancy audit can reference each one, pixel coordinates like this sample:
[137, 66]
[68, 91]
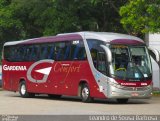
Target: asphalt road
[12, 103]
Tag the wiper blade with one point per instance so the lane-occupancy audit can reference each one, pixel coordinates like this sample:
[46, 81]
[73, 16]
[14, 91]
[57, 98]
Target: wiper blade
[140, 71]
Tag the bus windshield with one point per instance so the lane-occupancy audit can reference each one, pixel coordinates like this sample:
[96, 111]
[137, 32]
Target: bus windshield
[130, 62]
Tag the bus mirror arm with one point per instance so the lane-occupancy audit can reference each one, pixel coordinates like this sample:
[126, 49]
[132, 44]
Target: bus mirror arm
[156, 53]
[108, 53]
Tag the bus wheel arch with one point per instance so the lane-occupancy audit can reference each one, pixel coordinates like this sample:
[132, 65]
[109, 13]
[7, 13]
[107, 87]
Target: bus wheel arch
[84, 92]
[80, 86]
[23, 89]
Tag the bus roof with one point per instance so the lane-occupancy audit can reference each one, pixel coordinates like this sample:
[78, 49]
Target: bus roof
[104, 36]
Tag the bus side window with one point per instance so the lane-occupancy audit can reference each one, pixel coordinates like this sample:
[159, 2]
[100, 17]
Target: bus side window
[152, 54]
[7, 53]
[98, 55]
[16, 53]
[22, 53]
[101, 63]
[67, 51]
[19, 53]
[51, 52]
[62, 51]
[17, 56]
[78, 50]
[28, 53]
[43, 52]
[94, 56]
[33, 53]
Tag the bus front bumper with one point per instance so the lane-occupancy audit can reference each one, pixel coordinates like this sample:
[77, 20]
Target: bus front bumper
[129, 92]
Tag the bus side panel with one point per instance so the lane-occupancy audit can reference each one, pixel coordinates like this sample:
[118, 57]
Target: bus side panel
[16, 76]
[6, 78]
[11, 76]
[94, 88]
[79, 71]
[38, 86]
[62, 80]
[73, 76]
[65, 77]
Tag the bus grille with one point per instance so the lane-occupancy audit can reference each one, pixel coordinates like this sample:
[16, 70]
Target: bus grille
[135, 88]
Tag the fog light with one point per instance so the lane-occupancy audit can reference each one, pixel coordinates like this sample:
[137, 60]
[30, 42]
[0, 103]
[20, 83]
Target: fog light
[113, 93]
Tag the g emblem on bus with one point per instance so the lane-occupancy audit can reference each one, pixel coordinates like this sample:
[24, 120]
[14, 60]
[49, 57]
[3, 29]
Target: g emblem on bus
[45, 71]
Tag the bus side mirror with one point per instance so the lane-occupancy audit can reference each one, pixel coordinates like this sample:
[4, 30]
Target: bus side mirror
[108, 53]
[156, 53]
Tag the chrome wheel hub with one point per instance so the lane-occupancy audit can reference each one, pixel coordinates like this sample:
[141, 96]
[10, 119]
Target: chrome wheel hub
[85, 93]
[23, 89]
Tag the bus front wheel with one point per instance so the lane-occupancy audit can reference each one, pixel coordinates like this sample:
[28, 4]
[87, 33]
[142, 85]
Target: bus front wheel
[85, 94]
[23, 90]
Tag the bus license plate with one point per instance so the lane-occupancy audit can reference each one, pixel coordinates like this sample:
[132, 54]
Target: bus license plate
[134, 94]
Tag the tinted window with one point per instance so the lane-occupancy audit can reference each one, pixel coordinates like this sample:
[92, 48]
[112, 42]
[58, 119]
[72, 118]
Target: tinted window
[59, 51]
[7, 53]
[78, 50]
[21, 53]
[98, 55]
[34, 53]
[14, 53]
[46, 51]
[62, 51]
[152, 54]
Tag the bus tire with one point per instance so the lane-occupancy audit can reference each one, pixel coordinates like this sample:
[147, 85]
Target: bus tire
[54, 96]
[23, 90]
[85, 94]
[122, 100]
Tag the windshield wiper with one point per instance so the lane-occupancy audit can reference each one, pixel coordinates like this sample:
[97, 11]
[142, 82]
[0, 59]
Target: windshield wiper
[140, 71]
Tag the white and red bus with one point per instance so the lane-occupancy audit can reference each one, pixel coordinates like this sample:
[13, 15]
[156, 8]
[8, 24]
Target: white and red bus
[86, 64]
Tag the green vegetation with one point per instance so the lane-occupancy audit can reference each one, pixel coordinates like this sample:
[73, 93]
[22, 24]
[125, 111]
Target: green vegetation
[21, 19]
[156, 93]
[141, 16]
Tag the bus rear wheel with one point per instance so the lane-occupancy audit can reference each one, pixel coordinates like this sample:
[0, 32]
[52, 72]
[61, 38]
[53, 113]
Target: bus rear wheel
[23, 90]
[85, 94]
[122, 101]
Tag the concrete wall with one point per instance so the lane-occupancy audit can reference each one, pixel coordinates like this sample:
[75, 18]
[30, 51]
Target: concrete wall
[153, 41]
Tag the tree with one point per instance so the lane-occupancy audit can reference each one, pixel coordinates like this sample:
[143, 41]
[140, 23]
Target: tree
[107, 15]
[35, 18]
[141, 16]
[9, 27]
[68, 16]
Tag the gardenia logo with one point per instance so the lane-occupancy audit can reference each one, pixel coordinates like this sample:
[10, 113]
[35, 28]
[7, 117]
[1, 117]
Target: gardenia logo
[14, 68]
[45, 71]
